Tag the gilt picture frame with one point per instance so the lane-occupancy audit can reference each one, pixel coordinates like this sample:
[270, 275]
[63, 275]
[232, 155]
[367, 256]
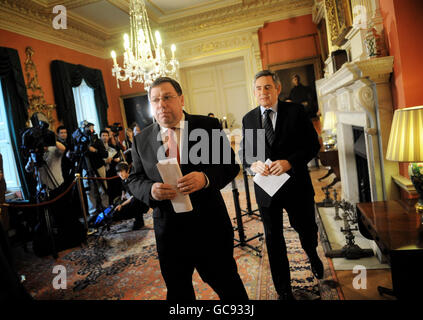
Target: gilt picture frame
[339, 14]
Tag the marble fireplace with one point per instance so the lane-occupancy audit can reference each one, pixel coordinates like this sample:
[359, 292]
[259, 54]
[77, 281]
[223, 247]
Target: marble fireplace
[360, 95]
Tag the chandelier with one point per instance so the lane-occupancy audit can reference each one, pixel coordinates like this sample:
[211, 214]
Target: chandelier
[144, 59]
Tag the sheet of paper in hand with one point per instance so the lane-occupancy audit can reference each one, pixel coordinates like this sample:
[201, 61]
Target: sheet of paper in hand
[170, 172]
[271, 183]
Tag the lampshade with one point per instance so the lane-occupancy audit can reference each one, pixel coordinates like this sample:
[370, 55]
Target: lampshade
[406, 138]
[329, 120]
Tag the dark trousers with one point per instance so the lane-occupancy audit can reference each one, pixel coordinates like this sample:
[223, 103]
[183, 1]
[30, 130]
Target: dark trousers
[134, 209]
[301, 215]
[184, 245]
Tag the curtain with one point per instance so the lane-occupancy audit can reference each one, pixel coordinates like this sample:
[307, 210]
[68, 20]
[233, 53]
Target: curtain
[16, 103]
[84, 95]
[65, 76]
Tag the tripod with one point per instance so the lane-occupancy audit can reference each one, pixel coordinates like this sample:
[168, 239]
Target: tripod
[83, 162]
[249, 211]
[242, 241]
[43, 194]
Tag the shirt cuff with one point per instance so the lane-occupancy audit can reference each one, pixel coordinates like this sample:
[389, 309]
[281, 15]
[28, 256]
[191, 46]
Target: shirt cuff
[207, 181]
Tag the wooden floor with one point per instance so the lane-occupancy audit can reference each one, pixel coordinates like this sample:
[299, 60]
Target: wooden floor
[375, 278]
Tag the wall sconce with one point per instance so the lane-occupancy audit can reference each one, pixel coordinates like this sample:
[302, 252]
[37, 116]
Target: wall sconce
[406, 144]
[329, 130]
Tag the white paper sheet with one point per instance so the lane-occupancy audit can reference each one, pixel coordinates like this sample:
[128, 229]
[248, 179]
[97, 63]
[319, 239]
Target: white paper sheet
[271, 184]
[170, 172]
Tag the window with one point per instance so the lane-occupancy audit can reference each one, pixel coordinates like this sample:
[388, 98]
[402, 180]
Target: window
[10, 170]
[85, 105]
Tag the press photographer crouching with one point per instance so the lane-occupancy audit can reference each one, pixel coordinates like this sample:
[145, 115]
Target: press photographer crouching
[88, 155]
[58, 227]
[129, 206]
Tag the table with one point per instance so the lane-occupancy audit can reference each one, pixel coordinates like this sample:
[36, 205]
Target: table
[329, 158]
[398, 231]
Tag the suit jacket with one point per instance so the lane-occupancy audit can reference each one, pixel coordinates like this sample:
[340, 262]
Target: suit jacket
[295, 140]
[208, 205]
[96, 158]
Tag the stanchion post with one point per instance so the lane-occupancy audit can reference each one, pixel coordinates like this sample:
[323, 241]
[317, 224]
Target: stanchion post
[81, 199]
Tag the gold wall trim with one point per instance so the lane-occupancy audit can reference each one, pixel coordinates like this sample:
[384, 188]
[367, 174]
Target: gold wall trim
[36, 100]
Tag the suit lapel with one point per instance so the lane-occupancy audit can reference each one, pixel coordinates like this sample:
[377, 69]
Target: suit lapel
[156, 140]
[278, 120]
[258, 119]
[189, 126]
[156, 143]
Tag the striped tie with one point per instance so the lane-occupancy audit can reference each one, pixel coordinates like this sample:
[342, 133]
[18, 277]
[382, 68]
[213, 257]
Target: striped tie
[268, 127]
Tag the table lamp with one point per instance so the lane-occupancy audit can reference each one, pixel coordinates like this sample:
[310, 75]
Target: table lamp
[329, 128]
[406, 144]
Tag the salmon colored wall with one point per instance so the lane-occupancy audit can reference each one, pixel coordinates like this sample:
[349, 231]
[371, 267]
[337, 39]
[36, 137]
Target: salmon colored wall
[45, 52]
[287, 40]
[403, 26]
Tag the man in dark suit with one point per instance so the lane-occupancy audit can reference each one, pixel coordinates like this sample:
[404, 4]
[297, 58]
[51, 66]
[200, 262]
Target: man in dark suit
[290, 143]
[200, 239]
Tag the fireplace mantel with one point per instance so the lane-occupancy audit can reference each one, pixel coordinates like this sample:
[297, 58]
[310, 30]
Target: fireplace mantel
[377, 69]
[360, 95]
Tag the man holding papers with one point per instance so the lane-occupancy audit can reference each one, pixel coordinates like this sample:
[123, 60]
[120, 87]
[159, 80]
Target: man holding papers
[191, 222]
[282, 180]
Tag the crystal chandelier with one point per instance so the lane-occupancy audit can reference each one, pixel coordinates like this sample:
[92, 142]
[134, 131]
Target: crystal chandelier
[144, 59]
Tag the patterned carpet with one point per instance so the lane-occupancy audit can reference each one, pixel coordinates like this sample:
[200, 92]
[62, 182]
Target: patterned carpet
[123, 265]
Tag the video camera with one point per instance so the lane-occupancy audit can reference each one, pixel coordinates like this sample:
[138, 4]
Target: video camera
[37, 138]
[82, 138]
[116, 127]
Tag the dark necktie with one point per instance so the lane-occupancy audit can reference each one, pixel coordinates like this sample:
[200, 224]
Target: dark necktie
[268, 127]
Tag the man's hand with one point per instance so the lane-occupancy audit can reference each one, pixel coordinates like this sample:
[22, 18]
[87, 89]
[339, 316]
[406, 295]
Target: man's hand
[119, 207]
[260, 167]
[162, 191]
[116, 159]
[92, 149]
[279, 166]
[191, 182]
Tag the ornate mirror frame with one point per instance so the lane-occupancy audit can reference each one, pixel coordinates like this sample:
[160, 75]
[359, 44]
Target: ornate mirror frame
[37, 103]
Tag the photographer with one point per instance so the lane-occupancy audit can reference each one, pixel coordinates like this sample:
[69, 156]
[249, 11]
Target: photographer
[60, 220]
[113, 185]
[63, 138]
[113, 131]
[50, 168]
[92, 152]
[130, 207]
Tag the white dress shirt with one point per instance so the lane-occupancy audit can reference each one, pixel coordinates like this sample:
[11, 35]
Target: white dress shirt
[272, 115]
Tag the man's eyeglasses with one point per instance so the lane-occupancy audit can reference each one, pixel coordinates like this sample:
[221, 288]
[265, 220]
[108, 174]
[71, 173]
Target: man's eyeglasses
[166, 98]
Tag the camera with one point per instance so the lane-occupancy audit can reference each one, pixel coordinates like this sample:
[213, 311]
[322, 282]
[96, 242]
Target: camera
[37, 138]
[82, 138]
[116, 127]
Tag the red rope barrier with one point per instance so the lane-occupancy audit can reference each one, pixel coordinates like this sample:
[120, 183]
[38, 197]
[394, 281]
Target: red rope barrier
[41, 203]
[99, 178]
[55, 199]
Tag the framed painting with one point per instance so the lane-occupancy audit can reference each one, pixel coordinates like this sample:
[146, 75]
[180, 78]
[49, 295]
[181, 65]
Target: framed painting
[136, 109]
[340, 19]
[308, 69]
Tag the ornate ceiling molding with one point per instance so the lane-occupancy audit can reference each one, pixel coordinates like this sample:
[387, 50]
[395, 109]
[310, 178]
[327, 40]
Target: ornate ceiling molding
[234, 17]
[34, 19]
